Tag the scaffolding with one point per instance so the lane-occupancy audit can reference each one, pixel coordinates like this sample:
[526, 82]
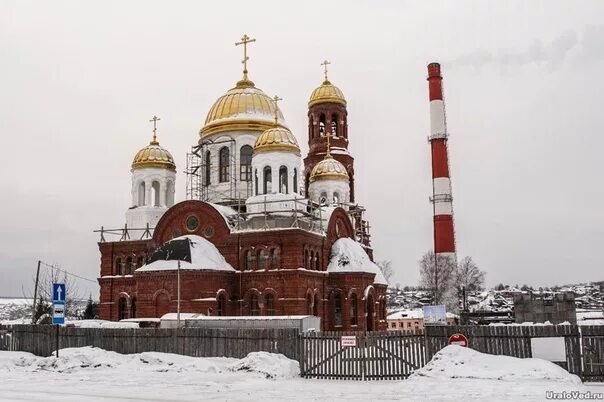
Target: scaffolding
[199, 166]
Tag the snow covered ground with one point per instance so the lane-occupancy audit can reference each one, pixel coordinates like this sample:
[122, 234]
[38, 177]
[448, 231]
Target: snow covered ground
[90, 374]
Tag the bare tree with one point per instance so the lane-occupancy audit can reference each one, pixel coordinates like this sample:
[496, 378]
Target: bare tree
[50, 275]
[386, 267]
[468, 275]
[437, 273]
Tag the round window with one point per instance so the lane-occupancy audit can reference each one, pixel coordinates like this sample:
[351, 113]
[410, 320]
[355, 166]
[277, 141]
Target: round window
[192, 223]
[208, 231]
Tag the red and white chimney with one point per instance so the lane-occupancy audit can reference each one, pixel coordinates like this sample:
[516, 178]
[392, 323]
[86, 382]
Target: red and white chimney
[444, 234]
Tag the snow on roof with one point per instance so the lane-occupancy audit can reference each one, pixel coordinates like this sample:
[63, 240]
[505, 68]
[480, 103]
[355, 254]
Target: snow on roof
[349, 256]
[101, 324]
[413, 314]
[228, 213]
[183, 316]
[204, 256]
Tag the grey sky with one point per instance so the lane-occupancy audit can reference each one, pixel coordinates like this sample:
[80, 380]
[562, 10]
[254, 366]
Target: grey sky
[79, 81]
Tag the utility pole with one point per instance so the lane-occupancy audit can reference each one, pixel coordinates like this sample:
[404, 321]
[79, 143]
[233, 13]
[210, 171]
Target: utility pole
[33, 313]
[178, 296]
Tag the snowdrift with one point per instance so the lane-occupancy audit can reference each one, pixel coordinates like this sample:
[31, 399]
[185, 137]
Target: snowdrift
[459, 362]
[271, 365]
[73, 360]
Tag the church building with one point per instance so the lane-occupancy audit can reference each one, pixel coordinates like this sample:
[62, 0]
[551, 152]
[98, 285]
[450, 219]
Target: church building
[262, 231]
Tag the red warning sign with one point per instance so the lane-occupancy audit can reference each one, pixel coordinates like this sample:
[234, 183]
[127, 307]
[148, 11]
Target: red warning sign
[458, 339]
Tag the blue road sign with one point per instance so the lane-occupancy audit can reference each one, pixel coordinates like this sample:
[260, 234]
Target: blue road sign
[58, 293]
[58, 313]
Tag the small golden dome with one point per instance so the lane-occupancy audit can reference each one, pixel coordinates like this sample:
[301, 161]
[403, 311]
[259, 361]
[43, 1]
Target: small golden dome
[244, 107]
[329, 169]
[153, 156]
[327, 92]
[277, 139]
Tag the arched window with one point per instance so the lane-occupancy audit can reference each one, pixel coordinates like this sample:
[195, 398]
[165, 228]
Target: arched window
[206, 169]
[317, 262]
[254, 306]
[322, 125]
[261, 259]
[315, 307]
[247, 260]
[274, 258]
[323, 198]
[256, 181]
[155, 193]
[221, 305]
[245, 163]
[133, 308]
[334, 125]
[269, 304]
[309, 304]
[295, 180]
[337, 310]
[307, 264]
[119, 267]
[283, 180]
[141, 194]
[354, 310]
[336, 198]
[268, 180]
[122, 309]
[169, 193]
[223, 164]
[140, 261]
[129, 266]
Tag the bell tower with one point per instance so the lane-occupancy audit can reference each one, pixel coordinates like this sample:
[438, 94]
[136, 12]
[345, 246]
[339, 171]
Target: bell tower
[327, 116]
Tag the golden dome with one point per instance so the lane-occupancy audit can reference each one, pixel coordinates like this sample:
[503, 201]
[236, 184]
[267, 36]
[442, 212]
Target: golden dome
[153, 156]
[329, 169]
[244, 107]
[327, 92]
[277, 139]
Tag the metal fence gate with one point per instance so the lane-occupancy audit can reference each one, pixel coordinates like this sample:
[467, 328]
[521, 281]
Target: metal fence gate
[391, 355]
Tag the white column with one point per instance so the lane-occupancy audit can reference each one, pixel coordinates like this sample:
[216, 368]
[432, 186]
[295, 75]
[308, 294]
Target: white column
[148, 200]
[162, 193]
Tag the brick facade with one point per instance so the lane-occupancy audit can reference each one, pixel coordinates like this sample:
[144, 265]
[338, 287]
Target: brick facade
[277, 272]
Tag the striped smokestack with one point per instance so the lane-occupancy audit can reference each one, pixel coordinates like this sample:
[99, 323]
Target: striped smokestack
[444, 235]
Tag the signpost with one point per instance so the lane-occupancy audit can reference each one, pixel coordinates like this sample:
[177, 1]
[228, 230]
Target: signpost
[58, 307]
[458, 339]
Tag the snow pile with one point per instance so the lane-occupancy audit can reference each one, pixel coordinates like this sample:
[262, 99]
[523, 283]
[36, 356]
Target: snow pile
[101, 324]
[204, 256]
[464, 363]
[271, 365]
[73, 360]
[348, 256]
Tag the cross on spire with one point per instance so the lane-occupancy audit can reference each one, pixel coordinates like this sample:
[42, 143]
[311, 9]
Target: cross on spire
[325, 64]
[328, 153]
[244, 41]
[276, 99]
[154, 120]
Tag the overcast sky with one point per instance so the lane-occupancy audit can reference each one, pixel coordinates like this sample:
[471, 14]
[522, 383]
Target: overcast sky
[523, 80]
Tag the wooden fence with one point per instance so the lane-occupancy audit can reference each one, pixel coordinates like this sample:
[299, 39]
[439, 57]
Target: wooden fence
[375, 355]
[200, 342]
[390, 355]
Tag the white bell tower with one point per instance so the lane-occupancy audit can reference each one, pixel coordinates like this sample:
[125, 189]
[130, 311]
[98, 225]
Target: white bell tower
[153, 182]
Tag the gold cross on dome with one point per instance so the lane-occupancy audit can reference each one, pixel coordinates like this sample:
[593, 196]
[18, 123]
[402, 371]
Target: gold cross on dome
[325, 64]
[276, 99]
[244, 41]
[154, 120]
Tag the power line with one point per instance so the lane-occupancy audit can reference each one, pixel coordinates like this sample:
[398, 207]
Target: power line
[67, 272]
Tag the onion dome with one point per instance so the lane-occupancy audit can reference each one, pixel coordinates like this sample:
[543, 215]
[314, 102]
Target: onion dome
[329, 169]
[153, 156]
[327, 92]
[243, 107]
[277, 139]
